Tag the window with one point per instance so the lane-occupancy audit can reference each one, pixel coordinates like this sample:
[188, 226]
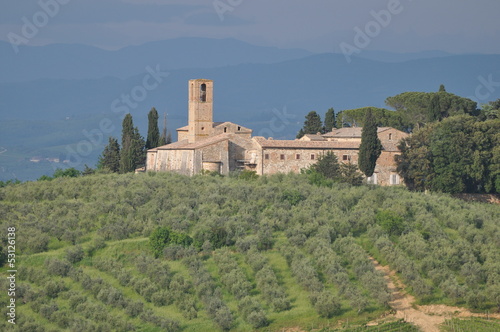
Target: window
[239, 128]
[225, 129]
[372, 179]
[297, 156]
[394, 180]
[346, 157]
[390, 137]
[266, 156]
[282, 157]
[313, 156]
[203, 92]
[202, 128]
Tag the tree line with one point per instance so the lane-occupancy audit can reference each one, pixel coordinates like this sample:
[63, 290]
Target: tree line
[132, 152]
[453, 147]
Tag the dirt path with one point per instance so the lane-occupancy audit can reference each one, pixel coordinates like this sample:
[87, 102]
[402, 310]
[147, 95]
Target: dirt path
[427, 317]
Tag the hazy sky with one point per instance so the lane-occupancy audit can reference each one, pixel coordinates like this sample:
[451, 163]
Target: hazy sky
[457, 26]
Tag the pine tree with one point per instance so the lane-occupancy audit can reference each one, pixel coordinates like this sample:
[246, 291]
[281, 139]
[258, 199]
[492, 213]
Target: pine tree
[132, 153]
[328, 166]
[371, 147]
[312, 125]
[153, 139]
[110, 157]
[329, 120]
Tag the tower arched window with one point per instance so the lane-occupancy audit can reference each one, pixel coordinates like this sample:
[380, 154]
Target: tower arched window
[203, 92]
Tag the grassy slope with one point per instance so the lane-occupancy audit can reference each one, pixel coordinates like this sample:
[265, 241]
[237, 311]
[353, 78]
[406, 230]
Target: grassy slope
[141, 203]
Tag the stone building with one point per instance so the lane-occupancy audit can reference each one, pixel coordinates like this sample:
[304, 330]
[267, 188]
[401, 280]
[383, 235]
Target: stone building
[225, 146]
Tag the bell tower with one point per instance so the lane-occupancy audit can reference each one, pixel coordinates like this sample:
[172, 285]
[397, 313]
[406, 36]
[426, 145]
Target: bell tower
[200, 115]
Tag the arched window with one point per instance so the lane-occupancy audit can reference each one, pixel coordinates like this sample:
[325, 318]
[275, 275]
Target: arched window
[390, 137]
[203, 92]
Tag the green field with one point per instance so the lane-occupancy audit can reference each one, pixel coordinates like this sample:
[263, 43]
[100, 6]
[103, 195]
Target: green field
[267, 254]
[471, 325]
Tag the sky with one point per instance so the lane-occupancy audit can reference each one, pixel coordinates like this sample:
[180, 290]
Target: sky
[454, 26]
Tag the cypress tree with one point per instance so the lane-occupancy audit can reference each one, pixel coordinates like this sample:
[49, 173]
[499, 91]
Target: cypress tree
[110, 157]
[163, 136]
[371, 147]
[153, 139]
[166, 136]
[132, 153]
[329, 120]
[434, 109]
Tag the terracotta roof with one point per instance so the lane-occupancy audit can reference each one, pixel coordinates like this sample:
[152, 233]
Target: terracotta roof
[297, 144]
[390, 146]
[217, 124]
[185, 145]
[314, 137]
[351, 132]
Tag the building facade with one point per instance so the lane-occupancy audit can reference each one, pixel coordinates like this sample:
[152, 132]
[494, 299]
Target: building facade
[225, 146]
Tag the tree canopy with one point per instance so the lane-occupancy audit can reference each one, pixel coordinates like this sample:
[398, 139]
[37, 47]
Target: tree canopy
[312, 124]
[110, 157]
[383, 118]
[153, 139]
[418, 108]
[132, 152]
[370, 147]
[458, 154]
[329, 120]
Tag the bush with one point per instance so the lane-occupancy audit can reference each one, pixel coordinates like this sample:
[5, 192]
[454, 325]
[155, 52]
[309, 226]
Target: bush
[390, 221]
[248, 175]
[134, 309]
[163, 236]
[326, 305]
[58, 267]
[75, 254]
[293, 197]
[159, 240]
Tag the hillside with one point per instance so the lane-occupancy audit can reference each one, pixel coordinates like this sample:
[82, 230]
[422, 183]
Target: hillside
[269, 253]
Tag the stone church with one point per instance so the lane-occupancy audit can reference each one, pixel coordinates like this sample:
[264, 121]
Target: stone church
[225, 146]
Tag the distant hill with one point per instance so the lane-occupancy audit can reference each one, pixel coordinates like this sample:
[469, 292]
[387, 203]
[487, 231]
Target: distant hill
[272, 98]
[73, 61]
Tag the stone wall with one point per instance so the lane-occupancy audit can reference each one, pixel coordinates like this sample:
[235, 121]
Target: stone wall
[293, 160]
[181, 161]
[217, 152]
[386, 167]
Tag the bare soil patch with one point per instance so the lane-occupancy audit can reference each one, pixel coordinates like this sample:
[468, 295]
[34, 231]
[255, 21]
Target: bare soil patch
[426, 317]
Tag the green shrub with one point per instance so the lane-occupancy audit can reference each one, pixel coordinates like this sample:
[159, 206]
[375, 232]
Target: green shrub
[75, 254]
[390, 221]
[159, 240]
[248, 175]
